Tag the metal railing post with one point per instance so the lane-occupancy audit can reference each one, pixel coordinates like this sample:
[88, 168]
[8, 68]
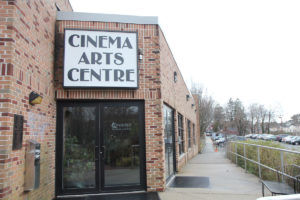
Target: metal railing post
[282, 165]
[236, 157]
[258, 160]
[226, 150]
[245, 162]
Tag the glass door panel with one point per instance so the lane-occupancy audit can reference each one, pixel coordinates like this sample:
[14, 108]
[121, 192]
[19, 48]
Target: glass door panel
[79, 142]
[121, 145]
[169, 141]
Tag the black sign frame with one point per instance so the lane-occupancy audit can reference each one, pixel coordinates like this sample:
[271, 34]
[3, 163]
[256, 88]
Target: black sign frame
[102, 87]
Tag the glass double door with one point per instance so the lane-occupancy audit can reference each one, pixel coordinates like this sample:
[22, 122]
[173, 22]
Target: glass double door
[100, 147]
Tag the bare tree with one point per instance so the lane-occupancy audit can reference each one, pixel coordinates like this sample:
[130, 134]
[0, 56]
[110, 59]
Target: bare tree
[270, 116]
[236, 116]
[257, 124]
[253, 110]
[206, 105]
[230, 110]
[262, 113]
[240, 117]
[296, 119]
[218, 118]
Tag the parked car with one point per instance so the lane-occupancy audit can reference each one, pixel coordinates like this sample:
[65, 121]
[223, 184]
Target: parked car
[259, 136]
[214, 138]
[287, 138]
[279, 137]
[270, 137]
[231, 137]
[289, 141]
[281, 197]
[264, 136]
[295, 140]
[220, 140]
[254, 136]
[240, 138]
[208, 134]
[248, 136]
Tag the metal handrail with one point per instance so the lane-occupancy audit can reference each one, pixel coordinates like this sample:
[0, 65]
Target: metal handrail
[274, 148]
[258, 158]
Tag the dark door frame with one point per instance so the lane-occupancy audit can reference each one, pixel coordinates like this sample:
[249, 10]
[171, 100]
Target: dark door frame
[99, 142]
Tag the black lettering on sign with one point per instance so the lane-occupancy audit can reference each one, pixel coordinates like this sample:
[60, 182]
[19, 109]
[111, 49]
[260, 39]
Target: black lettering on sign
[18, 132]
[70, 74]
[128, 75]
[101, 41]
[84, 59]
[71, 40]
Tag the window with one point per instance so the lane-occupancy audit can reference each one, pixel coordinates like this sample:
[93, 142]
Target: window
[189, 133]
[180, 134]
[194, 135]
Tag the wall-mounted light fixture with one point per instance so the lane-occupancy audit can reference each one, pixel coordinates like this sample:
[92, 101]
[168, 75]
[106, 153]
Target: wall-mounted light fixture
[140, 54]
[35, 98]
[175, 77]
[187, 97]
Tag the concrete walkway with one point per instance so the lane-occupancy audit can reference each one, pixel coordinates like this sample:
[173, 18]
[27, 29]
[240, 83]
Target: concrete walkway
[227, 181]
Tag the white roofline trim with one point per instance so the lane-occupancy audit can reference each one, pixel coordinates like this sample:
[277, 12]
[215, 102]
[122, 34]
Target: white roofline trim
[79, 16]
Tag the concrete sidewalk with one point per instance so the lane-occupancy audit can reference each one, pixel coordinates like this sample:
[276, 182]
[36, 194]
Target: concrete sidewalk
[227, 181]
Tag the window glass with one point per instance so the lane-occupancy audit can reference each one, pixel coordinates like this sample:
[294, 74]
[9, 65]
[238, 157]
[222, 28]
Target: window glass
[194, 135]
[180, 134]
[121, 145]
[169, 138]
[79, 135]
[189, 133]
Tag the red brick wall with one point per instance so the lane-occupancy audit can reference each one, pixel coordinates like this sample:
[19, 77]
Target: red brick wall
[174, 94]
[26, 64]
[156, 87]
[149, 89]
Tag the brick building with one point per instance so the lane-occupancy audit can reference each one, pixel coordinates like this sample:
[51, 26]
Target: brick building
[116, 114]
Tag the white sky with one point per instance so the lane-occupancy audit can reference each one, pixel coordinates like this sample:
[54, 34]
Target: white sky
[246, 49]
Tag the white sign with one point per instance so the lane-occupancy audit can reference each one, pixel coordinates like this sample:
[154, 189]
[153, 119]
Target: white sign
[121, 127]
[100, 59]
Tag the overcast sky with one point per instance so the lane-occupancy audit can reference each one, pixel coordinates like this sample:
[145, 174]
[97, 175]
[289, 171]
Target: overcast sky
[246, 49]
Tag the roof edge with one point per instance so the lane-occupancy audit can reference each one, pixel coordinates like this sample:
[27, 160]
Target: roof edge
[98, 17]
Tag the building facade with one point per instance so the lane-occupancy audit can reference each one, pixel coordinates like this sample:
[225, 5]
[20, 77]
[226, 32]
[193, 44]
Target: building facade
[115, 114]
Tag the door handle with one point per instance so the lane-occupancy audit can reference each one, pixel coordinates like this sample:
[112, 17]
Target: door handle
[96, 153]
[102, 152]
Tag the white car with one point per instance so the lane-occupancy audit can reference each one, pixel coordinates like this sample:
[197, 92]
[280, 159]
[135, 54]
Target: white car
[265, 136]
[281, 197]
[287, 138]
[220, 140]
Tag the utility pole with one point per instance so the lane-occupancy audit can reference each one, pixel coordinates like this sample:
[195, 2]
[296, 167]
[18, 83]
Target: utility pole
[280, 116]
